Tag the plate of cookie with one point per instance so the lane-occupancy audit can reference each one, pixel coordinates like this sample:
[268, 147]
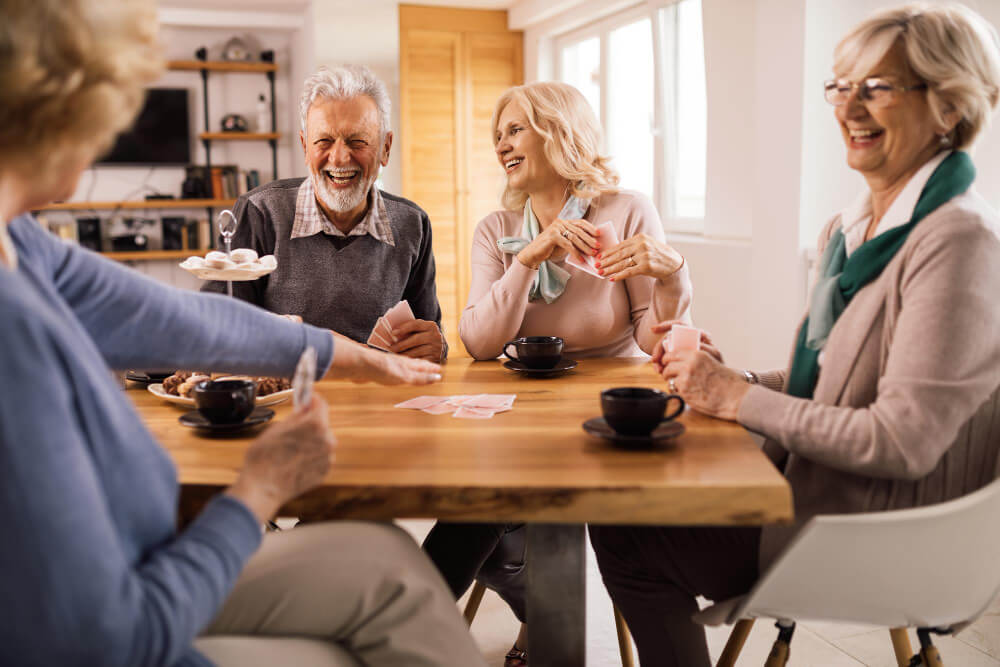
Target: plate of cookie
[240, 264]
[177, 388]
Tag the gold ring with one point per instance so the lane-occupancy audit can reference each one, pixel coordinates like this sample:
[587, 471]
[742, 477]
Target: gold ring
[631, 258]
[672, 386]
[565, 233]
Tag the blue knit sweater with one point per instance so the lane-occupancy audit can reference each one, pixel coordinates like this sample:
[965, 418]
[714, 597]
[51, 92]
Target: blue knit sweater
[92, 571]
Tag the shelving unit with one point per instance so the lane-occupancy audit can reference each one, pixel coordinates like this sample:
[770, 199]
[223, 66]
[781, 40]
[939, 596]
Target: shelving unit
[206, 137]
[206, 66]
[135, 205]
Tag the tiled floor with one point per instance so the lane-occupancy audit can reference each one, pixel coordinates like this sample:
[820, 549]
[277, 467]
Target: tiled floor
[814, 644]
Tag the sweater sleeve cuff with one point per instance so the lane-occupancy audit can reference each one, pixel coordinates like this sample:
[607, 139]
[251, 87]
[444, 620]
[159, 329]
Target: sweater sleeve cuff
[322, 341]
[773, 380]
[229, 522]
[758, 408]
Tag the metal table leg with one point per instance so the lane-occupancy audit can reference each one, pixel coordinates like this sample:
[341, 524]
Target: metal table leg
[557, 595]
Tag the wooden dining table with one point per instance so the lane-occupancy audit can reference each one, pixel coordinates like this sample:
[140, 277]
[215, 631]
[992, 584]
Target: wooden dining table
[533, 464]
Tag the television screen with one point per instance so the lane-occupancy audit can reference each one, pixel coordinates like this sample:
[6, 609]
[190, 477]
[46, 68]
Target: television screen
[160, 132]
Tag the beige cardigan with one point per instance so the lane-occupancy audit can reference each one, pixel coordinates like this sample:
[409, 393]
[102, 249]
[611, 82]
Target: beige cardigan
[906, 411]
[595, 317]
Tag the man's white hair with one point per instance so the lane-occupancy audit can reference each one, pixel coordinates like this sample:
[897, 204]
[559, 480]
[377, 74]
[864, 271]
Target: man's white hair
[343, 83]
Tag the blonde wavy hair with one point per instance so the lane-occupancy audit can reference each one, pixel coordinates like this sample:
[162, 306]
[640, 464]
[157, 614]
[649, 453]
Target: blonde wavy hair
[571, 138]
[72, 74]
[949, 47]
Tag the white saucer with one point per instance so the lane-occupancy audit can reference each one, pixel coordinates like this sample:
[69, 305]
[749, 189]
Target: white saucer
[270, 399]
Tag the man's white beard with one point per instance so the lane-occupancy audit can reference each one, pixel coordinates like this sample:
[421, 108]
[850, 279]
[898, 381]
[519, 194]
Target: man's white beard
[341, 201]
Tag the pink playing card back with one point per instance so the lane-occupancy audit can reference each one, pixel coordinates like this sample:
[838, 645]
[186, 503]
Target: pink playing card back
[399, 315]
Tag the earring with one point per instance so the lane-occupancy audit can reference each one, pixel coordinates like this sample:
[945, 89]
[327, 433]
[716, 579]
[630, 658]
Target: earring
[944, 140]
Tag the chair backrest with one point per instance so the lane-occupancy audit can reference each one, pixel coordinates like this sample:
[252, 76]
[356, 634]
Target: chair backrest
[936, 566]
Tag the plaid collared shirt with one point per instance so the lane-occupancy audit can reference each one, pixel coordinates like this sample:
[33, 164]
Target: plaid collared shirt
[310, 219]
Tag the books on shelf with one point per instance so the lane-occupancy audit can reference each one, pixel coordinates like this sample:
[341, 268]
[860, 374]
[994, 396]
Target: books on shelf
[223, 181]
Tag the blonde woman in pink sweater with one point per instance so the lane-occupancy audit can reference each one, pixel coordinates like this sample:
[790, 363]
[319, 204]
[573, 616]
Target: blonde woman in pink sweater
[559, 189]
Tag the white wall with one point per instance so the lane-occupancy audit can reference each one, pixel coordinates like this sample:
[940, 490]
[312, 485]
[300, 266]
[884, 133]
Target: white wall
[365, 33]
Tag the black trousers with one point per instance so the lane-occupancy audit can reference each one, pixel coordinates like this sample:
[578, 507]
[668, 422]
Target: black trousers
[493, 553]
[654, 575]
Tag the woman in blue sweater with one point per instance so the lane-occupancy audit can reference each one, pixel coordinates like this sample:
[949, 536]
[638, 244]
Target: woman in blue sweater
[92, 570]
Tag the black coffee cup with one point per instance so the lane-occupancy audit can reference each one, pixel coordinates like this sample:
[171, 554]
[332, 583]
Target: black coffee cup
[225, 401]
[637, 410]
[535, 351]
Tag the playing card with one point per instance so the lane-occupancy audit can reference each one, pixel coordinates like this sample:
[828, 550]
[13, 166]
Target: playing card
[608, 239]
[473, 413]
[444, 408]
[374, 340]
[398, 315]
[683, 338]
[302, 381]
[490, 401]
[383, 329]
[421, 402]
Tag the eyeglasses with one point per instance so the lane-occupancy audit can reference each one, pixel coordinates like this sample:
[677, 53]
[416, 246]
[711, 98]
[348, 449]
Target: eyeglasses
[873, 91]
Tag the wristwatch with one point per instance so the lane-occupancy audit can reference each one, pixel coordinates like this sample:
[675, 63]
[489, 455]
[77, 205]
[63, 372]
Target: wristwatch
[751, 377]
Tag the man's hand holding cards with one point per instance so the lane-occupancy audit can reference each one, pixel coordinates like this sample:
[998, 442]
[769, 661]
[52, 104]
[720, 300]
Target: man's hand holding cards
[399, 332]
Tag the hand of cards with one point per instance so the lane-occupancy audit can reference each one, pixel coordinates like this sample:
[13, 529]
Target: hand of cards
[608, 238]
[681, 337]
[381, 336]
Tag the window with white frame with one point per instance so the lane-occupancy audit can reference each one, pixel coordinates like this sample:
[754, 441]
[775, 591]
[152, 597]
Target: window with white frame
[643, 71]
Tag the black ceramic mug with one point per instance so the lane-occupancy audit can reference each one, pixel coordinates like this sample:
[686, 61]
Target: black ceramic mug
[535, 351]
[637, 410]
[225, 401]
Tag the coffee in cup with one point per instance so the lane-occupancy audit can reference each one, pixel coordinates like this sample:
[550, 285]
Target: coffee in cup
[539, 352]
[636, 411]
[225, 401]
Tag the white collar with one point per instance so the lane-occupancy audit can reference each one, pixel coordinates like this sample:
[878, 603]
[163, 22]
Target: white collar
[855, 218]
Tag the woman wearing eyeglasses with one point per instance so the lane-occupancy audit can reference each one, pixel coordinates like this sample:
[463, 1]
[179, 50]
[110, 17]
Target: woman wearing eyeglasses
[891, 399]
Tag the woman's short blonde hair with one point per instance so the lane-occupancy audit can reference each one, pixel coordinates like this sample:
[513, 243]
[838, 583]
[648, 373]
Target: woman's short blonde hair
[949, 47]
[571, 138]
[72, 74]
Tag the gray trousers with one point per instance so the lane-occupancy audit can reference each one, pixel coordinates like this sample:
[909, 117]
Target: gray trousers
[339, 594]
[654, 575]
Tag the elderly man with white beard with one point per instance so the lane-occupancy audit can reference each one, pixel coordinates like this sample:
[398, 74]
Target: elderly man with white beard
[346, 251]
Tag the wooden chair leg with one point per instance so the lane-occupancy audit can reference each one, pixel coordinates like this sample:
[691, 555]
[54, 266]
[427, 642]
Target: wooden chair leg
[472, 606]
[737, 638]
[901, 645]
[624, 638]
[781, 650]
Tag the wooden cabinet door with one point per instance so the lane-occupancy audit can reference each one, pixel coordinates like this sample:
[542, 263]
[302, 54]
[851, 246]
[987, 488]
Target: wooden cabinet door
[454, 64]
[429, 118]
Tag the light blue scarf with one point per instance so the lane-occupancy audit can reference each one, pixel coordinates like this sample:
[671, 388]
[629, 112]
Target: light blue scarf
[551, 279]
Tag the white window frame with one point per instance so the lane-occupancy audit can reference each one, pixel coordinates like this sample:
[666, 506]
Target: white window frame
[663, 130]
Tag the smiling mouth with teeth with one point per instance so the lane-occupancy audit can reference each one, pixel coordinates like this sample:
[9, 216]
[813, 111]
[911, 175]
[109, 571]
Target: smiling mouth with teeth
[510, 164]
[864, 137]
[341, 177]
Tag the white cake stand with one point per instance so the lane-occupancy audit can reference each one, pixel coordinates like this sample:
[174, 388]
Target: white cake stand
[227, 228]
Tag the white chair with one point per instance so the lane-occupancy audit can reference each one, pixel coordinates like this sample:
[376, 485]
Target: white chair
[936, 568]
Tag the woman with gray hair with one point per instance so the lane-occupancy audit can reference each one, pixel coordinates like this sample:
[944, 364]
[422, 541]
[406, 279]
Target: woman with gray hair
[93, 569]
[894, 385]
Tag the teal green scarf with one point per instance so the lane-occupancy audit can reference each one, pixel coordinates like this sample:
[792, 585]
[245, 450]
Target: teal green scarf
[551, 279]
[841, 277]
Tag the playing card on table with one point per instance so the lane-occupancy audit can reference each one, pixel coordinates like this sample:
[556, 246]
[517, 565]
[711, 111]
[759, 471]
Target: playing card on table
[473, 413]
[421, 402]
[608, 239]
[302, 381]
[490, 401]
